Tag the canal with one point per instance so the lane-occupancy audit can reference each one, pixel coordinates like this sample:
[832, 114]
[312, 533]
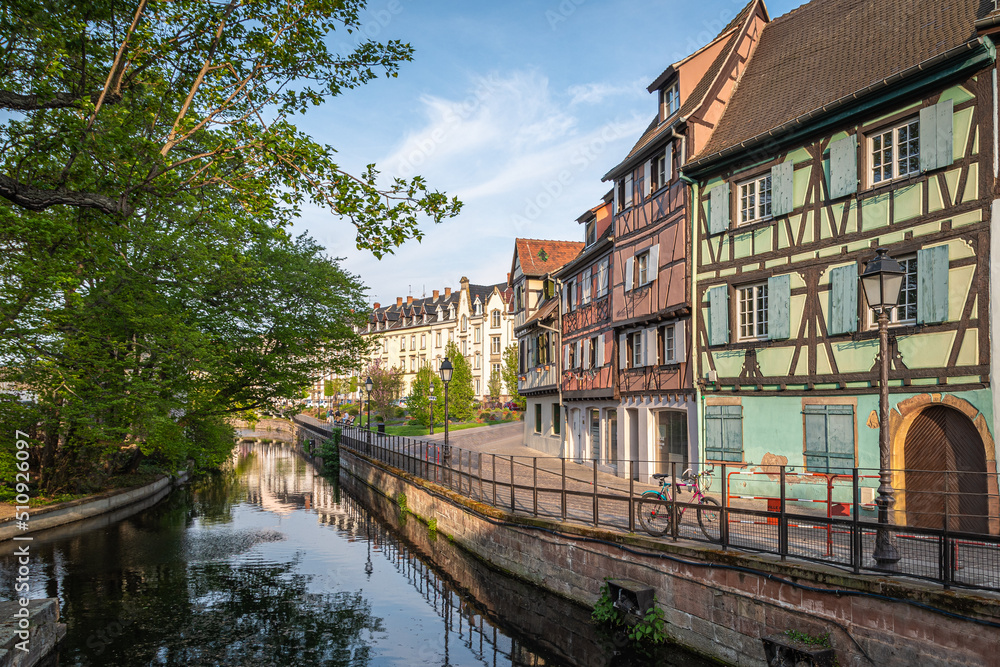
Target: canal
[269, 563]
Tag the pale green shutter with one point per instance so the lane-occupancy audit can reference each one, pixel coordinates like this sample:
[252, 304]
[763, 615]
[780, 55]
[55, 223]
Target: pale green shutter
[843, 300]
[724, 433]
[844, 167]
[932, 284]
[829, 438]
[718, 315]
[779, 296]
[718, 219]
[936, 136]
[713, 432]
[782, 188]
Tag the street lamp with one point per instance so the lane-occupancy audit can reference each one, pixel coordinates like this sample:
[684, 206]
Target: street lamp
[446, 371]
[430, 403]
[881, 279]
[368, 419]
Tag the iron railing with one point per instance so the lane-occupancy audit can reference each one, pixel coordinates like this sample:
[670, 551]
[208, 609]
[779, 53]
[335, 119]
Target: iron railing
[822, 517]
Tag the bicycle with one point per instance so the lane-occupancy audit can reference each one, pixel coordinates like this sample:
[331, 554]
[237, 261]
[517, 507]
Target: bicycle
[656, 508]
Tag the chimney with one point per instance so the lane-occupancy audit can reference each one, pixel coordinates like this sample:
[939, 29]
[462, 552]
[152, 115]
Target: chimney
[437, 293]
[377, 305]
[409, 300]
[399, 301]
[447, 292]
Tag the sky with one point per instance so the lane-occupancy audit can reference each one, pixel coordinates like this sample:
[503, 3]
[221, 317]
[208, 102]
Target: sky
[518, 108]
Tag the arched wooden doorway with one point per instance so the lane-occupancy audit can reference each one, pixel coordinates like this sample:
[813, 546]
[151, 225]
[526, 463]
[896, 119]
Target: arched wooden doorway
[946, 473]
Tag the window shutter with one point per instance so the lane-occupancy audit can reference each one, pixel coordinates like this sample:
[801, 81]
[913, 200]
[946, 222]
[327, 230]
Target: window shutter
[679, 352]
[579, 354]
[782, 188]
[649, 345]
[622, 353]
[600, 349]
[617, 205]
[843, 167]
[936, 136]
[647, 182]
[629, 272]
[932, 284]
[588, 283]
[668, 173]
[566, 357]
[713, 432]
[718, 310]
[724, 433]
[718, 218]
[653, 267]
[564, 299]
[843, 300]
[602, 276]
[586, 357]
[779, 317]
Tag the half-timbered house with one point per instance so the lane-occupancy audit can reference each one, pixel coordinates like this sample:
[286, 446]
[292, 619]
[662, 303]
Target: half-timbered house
[536, 325]
[651, 278]
[588, 363]
[856, 125]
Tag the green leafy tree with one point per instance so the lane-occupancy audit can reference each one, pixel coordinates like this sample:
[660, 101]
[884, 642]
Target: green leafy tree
[387, 387]
[418, 402]
[509, 371]
[495, 386]
[461, 394]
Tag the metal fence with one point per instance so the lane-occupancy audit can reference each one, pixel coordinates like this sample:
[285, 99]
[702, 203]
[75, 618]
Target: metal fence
[821, 517]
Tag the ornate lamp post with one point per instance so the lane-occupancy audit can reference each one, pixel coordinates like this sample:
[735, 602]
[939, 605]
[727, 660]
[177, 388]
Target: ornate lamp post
[446, 371]
[881, 279]
[430, 402]
[368, 419]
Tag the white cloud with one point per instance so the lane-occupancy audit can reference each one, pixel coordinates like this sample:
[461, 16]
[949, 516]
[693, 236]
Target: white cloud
[597, 92]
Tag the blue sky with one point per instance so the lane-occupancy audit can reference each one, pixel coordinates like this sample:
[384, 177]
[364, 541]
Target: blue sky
[516, 107]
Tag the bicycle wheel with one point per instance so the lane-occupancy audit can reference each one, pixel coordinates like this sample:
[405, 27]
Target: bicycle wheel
[654, 513]
[709, 518]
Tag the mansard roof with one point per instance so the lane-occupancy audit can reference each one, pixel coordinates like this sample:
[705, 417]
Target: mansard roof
[539, 257]
[829, 52]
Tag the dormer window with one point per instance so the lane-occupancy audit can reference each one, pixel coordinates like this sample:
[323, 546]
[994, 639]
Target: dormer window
[590, 233]
[671, 100]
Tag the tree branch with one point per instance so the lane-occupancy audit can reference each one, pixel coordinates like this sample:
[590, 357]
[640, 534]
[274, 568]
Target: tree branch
[36, 199]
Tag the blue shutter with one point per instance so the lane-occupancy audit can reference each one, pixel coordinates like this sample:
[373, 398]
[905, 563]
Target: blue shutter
[932, 284]
[844, 167]
[779, 296]
[829, 438]
[782, 188]
[713, 432]
[718, 217]
[936, 136]
[732, 433]
[718, 315]
[843, 316]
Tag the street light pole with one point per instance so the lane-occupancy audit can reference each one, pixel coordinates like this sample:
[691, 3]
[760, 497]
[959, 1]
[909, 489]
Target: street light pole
[430, 403]
[446, 371]
[882, 279]
[368, 418]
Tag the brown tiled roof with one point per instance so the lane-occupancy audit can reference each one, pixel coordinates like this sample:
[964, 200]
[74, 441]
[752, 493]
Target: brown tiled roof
[827, 50]
[539, 257]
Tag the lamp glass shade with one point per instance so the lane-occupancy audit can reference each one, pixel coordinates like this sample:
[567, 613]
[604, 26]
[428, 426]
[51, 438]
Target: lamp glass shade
[446, 371]
[882, 280]
[369, 384]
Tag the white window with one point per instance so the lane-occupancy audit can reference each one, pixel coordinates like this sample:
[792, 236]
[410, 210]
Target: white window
[755, 200]
[641, 269]
[905, 311]
[570, 294]
[662, 169]
[602, 278]
[478, 362]
[478, 389]
[465, 323]
[572, 356]
[495, 344]
[667, 344]
[437, 339]
[586, 283]
[636, 351]
[629, 187]
[402, 343]
[895, 153]
[479, 334]
[752, 302]
[478, 308]
[413, 364]
[385, 346]
[413, 342]
[592, 352]
[495, 368]
[671, 100]
[465, 347]
[423, 341]
[495, 319]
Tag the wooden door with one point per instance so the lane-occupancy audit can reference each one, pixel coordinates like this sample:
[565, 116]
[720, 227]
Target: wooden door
[945, 472]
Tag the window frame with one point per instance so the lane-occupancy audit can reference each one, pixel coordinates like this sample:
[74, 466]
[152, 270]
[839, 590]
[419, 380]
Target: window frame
[758, 215]
[760, 290]
[670, 99]
[590, 233]
[870, 152]
[634, 340]
[538, 418]
[641, 273]
[495, 319]
[661, 343]
[723, 411]
[495, 345]
[628, 185]
[603, 271]
[556, 419]
[592, 351]
[840, 407]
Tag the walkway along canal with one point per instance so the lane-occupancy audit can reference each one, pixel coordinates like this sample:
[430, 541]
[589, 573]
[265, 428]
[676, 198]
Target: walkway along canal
[717, 601]
[272, 564]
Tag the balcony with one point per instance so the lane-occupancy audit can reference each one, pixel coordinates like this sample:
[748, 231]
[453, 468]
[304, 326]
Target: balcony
[540, 377]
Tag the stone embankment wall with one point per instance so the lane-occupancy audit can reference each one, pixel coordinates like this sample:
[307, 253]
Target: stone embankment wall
[717, 603]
